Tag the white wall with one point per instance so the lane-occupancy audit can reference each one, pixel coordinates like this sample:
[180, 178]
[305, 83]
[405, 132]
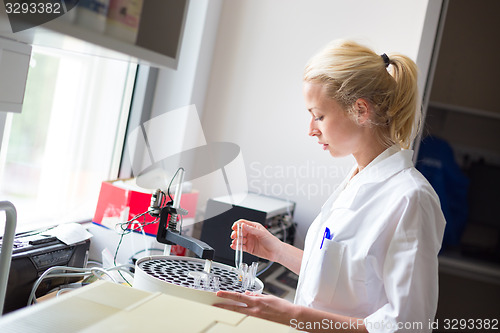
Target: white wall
[254, 96]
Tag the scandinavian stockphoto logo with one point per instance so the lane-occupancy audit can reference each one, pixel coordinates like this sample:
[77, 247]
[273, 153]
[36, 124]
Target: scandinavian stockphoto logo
[26, 14]
[176, 139]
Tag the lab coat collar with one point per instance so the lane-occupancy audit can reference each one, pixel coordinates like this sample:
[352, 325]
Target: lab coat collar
[387, 164]
[384, 166]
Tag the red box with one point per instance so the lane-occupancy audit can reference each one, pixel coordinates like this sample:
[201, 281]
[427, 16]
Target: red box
[118, 204]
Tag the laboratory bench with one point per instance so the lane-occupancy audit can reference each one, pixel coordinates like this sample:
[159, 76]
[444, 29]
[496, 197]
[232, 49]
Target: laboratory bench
[108, 307]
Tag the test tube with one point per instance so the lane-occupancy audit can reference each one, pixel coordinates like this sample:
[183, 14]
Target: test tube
[253, 273]
[197, 280]
[215, 284]
[242, 272]
[246, 282]
[205, 281]
[238, 255]
[246, 276]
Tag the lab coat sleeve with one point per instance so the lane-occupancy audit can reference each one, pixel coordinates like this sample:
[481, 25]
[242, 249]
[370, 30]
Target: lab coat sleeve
[410, 267]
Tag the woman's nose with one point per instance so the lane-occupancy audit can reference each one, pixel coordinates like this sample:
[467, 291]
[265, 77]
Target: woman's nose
[313, 130]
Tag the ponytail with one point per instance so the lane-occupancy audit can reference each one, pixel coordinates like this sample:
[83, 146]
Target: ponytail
[389, 83]
[403, 110]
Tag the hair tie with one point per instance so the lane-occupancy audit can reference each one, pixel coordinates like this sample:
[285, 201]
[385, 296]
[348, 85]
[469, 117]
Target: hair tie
[386, 59]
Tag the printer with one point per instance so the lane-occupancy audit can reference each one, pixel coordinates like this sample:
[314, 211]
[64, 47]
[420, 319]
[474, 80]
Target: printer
[34, 253]
[273, 213]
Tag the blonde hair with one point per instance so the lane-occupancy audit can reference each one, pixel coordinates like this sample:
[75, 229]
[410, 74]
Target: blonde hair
[351, 71]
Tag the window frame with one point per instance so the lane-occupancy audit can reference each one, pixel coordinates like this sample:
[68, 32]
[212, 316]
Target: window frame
[135, 107]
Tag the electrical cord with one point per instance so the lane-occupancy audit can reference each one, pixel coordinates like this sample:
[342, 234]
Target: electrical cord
[171, 181]
[269, 264]
[70, 286]
[95, 271]
[78, 272]
[94, 262]
[63, 290]
[125, 227]
[99, 272]
[122, 268]
[32, 298]
[34, 232]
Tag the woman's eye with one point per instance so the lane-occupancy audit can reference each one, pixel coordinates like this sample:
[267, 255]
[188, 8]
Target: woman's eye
[319, 118]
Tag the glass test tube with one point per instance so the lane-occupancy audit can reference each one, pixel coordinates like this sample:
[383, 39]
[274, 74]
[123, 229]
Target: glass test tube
[197, 281]
[238, 255]
[215, 283]
[205, 281]
[242, 272]
[253, 273]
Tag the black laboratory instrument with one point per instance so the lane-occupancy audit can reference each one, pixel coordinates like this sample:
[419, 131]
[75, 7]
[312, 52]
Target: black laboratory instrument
[167, 228]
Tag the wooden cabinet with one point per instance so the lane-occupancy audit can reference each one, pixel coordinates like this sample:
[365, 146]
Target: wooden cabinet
[158, 40]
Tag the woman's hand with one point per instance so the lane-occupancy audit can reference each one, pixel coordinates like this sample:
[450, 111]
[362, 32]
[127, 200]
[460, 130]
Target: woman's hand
[281, 311]
[263, 306]
[257, 240]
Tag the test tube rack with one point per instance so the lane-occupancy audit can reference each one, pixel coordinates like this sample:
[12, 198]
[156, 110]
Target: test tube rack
[174, 275]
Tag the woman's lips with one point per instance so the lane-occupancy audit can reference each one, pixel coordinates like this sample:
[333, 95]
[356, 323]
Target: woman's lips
[325, 146]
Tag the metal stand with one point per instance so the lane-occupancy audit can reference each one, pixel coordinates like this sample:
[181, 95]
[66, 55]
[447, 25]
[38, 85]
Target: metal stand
[167, 228]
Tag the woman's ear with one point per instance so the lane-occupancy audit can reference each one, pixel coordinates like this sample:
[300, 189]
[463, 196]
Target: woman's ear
[363, 110]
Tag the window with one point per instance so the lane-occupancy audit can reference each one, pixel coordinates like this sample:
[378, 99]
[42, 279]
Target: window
[68, 138]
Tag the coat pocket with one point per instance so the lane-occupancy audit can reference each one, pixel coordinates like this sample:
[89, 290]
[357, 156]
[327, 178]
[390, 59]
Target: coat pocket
[322, 272]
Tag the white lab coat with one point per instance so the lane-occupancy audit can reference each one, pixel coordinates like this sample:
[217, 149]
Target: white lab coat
[381, 264]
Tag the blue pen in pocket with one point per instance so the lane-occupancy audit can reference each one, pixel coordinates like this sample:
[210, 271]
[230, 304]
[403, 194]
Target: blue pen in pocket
[326, 235]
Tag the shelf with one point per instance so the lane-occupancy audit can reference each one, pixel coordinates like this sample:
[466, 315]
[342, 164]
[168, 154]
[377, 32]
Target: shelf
[467, 65]
[74, 39]
[465, 110]
[454, 263]
[62, 34]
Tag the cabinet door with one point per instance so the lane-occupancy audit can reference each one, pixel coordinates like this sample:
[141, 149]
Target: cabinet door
[14, 64]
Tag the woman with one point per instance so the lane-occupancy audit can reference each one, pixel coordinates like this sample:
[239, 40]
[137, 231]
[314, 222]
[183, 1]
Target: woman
[370, 257]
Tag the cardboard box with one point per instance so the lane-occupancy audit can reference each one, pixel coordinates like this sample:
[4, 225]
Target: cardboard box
[119, 202]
